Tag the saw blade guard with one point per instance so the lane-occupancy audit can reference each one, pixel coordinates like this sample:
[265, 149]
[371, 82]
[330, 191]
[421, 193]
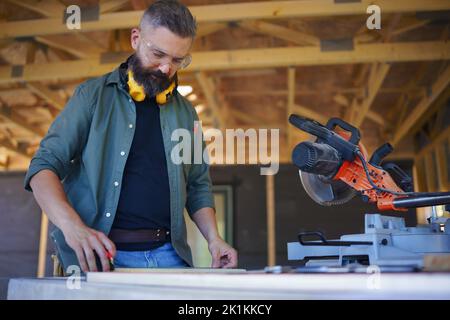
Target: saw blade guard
[326, 193]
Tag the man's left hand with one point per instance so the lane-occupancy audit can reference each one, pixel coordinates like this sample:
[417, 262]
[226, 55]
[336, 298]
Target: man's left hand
[223, 255]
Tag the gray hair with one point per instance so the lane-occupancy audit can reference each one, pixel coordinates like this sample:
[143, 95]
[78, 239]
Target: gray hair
[172, 15]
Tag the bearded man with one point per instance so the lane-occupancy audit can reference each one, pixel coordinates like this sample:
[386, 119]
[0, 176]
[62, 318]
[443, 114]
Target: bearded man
[103, 173]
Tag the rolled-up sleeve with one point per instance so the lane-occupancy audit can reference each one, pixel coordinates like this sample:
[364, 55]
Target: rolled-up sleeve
[199, 185]
[65, 138]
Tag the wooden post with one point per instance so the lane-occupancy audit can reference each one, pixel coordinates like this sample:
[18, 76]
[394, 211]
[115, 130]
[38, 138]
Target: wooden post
[42, 246]
[270, 203]
[421, 213]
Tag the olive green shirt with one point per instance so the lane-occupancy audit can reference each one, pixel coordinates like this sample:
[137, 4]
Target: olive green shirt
[87, 147]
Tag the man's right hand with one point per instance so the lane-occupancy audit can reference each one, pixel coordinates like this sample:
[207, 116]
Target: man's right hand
[50, 195]
[86, 242]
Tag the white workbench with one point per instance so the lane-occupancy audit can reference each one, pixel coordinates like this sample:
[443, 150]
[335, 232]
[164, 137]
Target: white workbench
[193, 286]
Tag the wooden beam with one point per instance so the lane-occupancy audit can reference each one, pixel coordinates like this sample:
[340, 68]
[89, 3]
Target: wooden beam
[415, 25]
[309, 113]
[42, 256]
[244, 59]
[4, 142]
[375, 117]
[443, 165]
[436, 89]
[270, 204]
[55, 9]
[227, 13]
[400, 107]
[281, 32]
[209, 28]
[7, 113]
[209, 90]
[290, 103]
[45, 93]
[416, 90]
[6, 42]
[47, 8]
[378, 73]
[74, 44]
[420, 212]
[226, 114]
[251, 118]
[283, 92]
[112, 5]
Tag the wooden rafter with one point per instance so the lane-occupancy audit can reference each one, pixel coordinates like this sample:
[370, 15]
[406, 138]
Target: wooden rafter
[281, 32]
[55, 9]
[210, 92]
[7, 113]
[76, 45]
[46, 8]
[245, 59]
[250, 119]
[48, 95]
[424, 104]
[375, 117]
[309, 113]
[377, 75]
[209, 28]
[227, 13]
[112, 5]
[4, 142]
[290, 102]
[400, 108]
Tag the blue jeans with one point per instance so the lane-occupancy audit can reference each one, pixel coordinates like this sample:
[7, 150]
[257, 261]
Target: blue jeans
[162, 257]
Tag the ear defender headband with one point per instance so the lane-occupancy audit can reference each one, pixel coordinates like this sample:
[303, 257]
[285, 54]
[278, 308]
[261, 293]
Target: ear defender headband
[137, 91]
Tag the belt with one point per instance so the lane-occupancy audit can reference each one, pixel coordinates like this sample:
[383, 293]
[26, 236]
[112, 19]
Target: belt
[139, 236]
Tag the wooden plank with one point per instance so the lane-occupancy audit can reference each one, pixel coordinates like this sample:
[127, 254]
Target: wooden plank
[378, 73]
[178, 270]
[431, 178]
[245, 59]
[375, 117]
[47, 8]
[436, 90]
[437, 145]
[210, 92]
[112, 5]
[290, 103]
[442, 166]
[209, 28]
[309, 113]
[6, 112]
[270, 203]
[281, 32]
[227, 13]
[415, 25]
[45, 93]
[75, 45]
[42, 257]
[421, 213]
[9, 146]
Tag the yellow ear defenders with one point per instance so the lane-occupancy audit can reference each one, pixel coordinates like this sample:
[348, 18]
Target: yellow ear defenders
[137, 91]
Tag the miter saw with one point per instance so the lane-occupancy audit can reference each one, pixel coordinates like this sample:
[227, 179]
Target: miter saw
[333, 169]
